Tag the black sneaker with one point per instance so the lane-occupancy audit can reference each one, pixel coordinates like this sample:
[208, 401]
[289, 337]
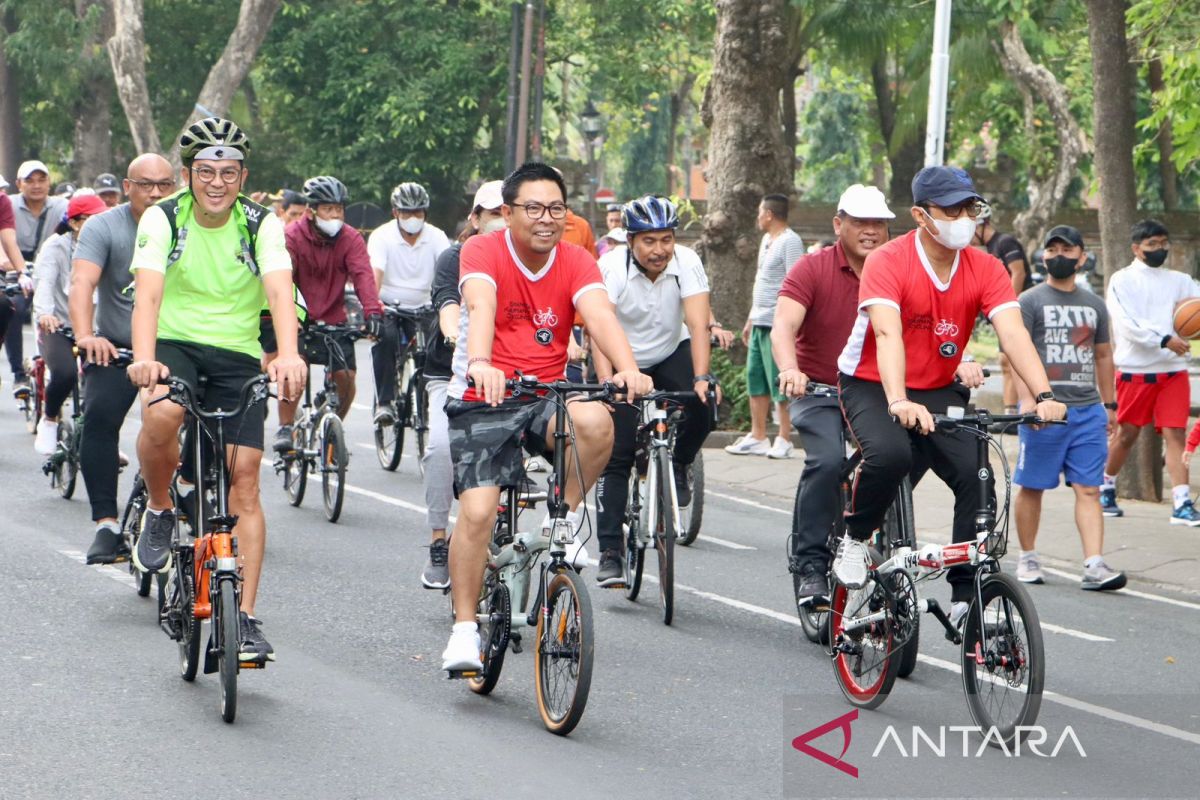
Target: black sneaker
[283, 440]
[813, 590]
[253, 647]
[610, 572]
[683, 490]
[21, 387]
[153, 551]
[436, 574]
[108, 547]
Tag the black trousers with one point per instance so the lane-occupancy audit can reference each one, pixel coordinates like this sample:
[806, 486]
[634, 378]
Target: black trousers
[673, 374]
[59, 356]
[107, 397]
[818, 420]
[13, 341]
[396, 334]
[889, 452]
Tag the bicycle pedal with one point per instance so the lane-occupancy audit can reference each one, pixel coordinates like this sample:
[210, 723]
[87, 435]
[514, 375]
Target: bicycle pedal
[514, 642]
[258, 663]
[455, 674]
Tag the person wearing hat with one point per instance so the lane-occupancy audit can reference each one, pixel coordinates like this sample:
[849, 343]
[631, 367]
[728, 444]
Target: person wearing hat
[108, 189]
[437, 470]
[817, 306]
[616, 234]
[50, 310]
[1070, 330]
[917, 303]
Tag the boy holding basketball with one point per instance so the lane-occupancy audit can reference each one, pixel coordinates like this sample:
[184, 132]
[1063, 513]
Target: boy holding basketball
[1069, 328]
[1151, 359]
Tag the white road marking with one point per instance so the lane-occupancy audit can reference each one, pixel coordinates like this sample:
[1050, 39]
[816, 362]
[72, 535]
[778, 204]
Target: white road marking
[371, 446]
[1088, 637]
[724, 542]
[1158, 598]
[710, 493]
[360, 406]
[119, 574]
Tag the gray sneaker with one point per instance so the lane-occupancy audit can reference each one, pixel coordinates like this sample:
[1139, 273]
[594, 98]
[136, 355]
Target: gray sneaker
[1101, 577]
[153, 551]
[436, 574]
[1029, 570]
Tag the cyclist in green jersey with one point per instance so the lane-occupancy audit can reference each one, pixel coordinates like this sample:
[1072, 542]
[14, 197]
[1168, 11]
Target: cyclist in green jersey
[205, 260]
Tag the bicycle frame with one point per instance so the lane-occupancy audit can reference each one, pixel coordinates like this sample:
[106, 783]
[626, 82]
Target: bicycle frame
[335, 359]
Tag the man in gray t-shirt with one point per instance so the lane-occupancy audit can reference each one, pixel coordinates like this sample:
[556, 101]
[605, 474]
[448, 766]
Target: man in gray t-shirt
[1069, 327]
[101, 269]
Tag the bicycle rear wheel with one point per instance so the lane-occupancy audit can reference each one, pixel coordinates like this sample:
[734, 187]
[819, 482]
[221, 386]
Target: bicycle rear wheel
[182, 605]
[419, 417]
[563, 667]
[333, 467]
[898, 530]
[389, 443]
[664, 540]
[67, 468]
[225, 634]
[295, 472]
[863, 658]
[496, 609]
[1003, 666]
[633, 555]
[131, 528]
[694, 515]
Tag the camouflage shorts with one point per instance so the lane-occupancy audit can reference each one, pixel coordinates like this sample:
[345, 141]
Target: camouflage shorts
[486, 441]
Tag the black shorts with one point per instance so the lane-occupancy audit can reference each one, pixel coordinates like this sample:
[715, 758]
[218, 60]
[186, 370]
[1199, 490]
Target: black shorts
[315, 351]
[486, 441]
[226, 373]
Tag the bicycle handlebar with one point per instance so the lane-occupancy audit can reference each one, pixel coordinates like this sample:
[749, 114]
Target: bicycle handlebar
[255, 390]
[326, 329]
[421, 312]
[981, 419]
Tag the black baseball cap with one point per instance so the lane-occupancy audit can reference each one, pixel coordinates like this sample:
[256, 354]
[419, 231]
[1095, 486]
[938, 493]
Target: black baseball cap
[943, 186]
[106, 182]
[1065, 234]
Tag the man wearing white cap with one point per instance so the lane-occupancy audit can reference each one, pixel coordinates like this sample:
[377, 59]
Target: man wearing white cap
[817, 305]
[438, 474]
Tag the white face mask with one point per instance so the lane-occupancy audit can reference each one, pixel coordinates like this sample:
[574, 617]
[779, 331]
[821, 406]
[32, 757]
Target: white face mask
[412, 225]
[493, 225]
[955, 234]
[329, 227]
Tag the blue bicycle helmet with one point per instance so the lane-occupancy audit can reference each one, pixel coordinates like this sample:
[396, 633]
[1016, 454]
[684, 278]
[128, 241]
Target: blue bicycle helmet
[649, 213]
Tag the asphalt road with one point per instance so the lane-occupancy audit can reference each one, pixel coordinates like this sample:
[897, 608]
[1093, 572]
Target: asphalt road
[356, 706]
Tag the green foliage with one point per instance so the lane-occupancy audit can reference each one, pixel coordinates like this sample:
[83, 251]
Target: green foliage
[834, 144]
[1170, 30]
[735, 411]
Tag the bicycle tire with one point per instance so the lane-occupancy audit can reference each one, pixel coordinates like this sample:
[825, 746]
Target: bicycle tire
[1003, 637]
[31, 406]
[695, 513]
[67, 470]
[225, 632]
[564, 633]
[389, 443]
[183, 599]
[333, 467]
[295, 472]
[493, 636]
[813, 622]
[882, 662]
[898, 527]
[417, 402]
[664, 540]
[131, 524]
[633, 555]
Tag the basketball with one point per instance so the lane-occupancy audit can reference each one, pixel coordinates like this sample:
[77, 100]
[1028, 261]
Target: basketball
[1187, 318]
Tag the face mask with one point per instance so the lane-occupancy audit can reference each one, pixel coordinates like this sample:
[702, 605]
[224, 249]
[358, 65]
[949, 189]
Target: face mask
[329, 227]
[412, 225]
[1155, 258]
[494, 225]
[1060, 267]
[953, 233]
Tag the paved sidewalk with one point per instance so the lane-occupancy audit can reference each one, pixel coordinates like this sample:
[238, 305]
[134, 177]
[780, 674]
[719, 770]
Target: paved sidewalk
[1143, 542]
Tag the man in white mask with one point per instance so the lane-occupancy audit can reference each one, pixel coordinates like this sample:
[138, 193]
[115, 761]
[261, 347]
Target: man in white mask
[403, 255]
[917, 303]
[327, 253]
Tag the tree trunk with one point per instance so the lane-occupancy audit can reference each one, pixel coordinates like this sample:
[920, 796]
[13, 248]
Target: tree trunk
[789, 114]
[747, 156]
[254, 21]
[93, 116]
[1045, 192]
[1113, 103]
[10, 107]
[1166, 145]
[127, 53]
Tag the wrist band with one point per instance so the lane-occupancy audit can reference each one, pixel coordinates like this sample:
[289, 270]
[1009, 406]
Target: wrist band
[478, 359]
[901, 400]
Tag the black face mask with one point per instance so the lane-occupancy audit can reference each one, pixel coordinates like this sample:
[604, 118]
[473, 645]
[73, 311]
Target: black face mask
[1060, 267]
[1155, 258]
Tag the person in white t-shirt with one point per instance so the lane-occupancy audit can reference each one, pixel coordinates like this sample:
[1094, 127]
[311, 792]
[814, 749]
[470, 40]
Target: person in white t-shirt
[660, 293]
[403, 256]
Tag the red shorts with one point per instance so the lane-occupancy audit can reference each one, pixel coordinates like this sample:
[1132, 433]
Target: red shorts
[1164, 397]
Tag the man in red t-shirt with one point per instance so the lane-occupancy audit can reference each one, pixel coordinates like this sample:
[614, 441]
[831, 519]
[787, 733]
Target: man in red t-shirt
[918, 300]
[520, 290]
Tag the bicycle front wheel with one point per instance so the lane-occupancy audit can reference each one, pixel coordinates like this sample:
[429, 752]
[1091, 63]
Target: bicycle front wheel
[694, 515]
[295, 468]
[494, 630]
[863, 658]
[68, 468]
[225, 631]
[389, 443]
[563, 667]
[1003, 664]
[633, 555]
[333, 467]
[664, 540]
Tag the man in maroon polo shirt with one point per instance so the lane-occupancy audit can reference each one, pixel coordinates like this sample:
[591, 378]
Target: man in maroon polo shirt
[818, 304]
[325, 254]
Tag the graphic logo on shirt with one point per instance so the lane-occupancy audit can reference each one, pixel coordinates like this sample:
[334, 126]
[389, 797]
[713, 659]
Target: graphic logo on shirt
[546, 318]
[543, 336]
[945, 328]
[948, 349]
[142, 239]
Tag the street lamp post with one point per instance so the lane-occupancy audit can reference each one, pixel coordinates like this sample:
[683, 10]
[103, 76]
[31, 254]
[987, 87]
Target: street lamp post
[592, 125]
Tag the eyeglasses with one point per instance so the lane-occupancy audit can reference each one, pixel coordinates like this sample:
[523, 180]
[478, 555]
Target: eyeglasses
[972, 208]
[538, 210]
[229, 175]
[146, 186]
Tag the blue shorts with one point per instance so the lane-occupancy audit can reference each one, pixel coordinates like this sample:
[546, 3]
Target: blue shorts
[1077, 450]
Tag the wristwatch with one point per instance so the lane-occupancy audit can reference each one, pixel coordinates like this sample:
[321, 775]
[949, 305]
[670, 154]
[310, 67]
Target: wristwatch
[1044, 396]
[707, 378]
[1111, 406]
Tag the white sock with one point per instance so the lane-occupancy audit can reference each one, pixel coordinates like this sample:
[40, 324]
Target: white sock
[184, 489]
[1110, 482]
[466, 627]
[110, 525]
[1093, 562]
[1029, 554]
[1181, 494]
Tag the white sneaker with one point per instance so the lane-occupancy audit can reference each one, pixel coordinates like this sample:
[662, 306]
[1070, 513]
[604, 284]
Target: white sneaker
[780, 448]
[462, 651]
[748, 446]
[122, 459]
[536, 464]
[47, 437]
[958, 612]
[1029, 569]
[850, 564]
